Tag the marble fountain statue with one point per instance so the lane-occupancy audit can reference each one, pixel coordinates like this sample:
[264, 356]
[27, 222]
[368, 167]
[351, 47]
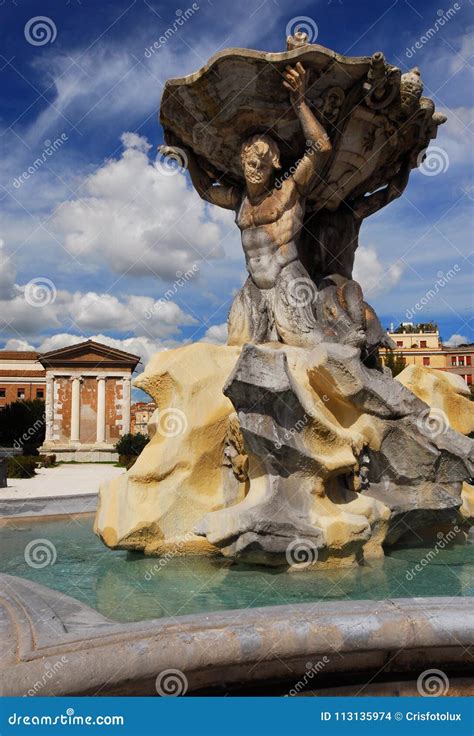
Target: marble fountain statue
[292, 445]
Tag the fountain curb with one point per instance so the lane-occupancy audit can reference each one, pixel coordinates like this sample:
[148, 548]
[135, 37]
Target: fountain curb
[396, 637]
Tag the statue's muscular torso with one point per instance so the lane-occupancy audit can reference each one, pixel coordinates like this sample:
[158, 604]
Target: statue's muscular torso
[269, 232]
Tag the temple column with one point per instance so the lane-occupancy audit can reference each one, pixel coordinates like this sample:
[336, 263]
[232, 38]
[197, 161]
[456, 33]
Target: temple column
[100, 436]
[49, 407]
[126, 404]
[76, 408]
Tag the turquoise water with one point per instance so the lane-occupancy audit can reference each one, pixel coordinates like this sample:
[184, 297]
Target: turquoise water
[128, 587]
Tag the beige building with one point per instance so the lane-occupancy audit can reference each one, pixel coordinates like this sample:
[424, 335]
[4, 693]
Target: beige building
[424, 347]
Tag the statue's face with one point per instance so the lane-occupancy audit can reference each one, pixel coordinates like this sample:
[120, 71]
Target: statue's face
[257, 163]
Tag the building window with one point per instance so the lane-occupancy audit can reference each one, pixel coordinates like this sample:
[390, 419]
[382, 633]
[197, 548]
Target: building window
[20, 394]
[469, 379]
[453, 360]
[40, 393]
[426, 361]
[461, 360]
[399, 343]
[468, 360]
[422, 343]
[3, 393]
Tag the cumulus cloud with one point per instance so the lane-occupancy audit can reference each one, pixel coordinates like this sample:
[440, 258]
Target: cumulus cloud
[7, 274]
[137, 219]
[93, 311]
[456, 340]
[88, 311]
[217, 334]
[144, 347]
[372, 274]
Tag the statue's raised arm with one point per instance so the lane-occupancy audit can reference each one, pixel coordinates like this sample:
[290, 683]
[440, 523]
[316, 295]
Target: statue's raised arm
[318, 145]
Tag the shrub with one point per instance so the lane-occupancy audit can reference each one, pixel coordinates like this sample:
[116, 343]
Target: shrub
[126, 461]
[21, 466]
[23, 425]
[131, 444]
[47, 461]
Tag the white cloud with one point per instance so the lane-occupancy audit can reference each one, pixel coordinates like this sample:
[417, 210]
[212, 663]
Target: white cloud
[15, 344]
[7, 274]
[138, 220]
[90, 311]
[373, 276]
[142, 346]
[93, 311]
[217, 334]
[456, 340]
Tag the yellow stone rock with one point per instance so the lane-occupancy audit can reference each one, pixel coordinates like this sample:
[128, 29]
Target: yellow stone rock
[444, 391]
[180, 475]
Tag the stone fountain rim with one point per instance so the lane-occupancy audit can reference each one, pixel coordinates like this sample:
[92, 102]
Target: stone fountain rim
[236, 647]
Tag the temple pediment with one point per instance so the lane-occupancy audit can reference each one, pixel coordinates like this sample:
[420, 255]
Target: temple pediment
[89, 353]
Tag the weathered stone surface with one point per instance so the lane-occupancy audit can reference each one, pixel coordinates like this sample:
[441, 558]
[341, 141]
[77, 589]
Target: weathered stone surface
[41, 628]
[308, 458]
[372, 122]
[182, 473]
[446, 393]
[300, 453]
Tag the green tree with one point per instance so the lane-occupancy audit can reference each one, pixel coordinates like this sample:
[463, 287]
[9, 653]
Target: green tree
[22, 425]
[395, 361]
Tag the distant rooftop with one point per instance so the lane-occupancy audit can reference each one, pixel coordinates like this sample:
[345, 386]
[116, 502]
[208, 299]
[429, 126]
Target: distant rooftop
[409, 328]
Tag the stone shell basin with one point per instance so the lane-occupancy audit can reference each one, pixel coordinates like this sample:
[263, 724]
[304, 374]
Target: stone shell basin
[239, 92]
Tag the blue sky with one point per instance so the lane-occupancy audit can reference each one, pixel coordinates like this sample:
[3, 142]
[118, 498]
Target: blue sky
[96, 235]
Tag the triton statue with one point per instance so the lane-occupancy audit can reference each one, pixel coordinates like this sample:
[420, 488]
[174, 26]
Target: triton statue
[293, 445]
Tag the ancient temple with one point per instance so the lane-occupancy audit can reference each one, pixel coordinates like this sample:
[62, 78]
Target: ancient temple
[88, 392]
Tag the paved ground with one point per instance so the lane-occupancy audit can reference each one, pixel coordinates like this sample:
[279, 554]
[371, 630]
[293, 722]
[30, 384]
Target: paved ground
[64, 480]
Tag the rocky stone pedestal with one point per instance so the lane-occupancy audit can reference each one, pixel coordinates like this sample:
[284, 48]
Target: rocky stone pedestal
[307, 457]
